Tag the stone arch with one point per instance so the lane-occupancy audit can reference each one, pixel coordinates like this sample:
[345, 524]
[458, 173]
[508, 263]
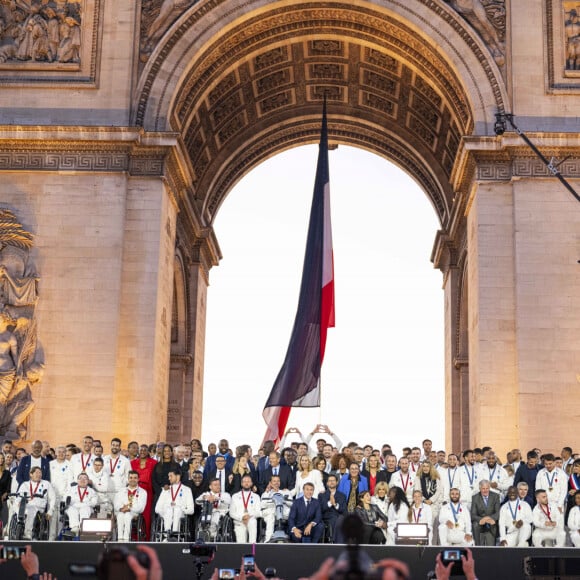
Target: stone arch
[241, 82]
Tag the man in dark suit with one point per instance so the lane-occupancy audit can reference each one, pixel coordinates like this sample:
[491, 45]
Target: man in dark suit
[305, 520]
[333, 506]
[264, 461]
[485, 508]
[221, 472]
[286, 475]
[35, 459]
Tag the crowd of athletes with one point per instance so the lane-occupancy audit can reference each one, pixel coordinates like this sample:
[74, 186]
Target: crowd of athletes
[302, 492]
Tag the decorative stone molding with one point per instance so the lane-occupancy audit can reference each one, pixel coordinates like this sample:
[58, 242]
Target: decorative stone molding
[50, 42]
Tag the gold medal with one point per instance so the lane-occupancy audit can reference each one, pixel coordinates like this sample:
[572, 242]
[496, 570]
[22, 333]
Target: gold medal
[550, 489]
[456, 525]
[514, 522]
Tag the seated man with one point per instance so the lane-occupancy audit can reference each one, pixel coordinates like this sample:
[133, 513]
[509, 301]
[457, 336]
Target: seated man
[220, 504]
[31, 488]
[455, 522]
[305, 520]
[333, 507]
[82, 501]
[271, 497]
[99, 480]
[548, 522]
[245, 511]
[175, 502]
[485, 515]
[129, 502]
[515, 521]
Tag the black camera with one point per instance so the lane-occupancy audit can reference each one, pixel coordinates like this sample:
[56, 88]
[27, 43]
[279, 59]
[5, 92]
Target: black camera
[113, 563]
[202, 552]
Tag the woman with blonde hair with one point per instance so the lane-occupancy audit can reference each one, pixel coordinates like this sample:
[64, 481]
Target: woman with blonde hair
[430, 485]
[307, 474]
[374, 473]
[381, 499]
[239, 469]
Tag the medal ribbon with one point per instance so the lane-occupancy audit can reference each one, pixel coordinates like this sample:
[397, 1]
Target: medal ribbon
[491, 473]
[451, 481]
[472, 474]
[550, 481]
[113, 466]
[405, 485]
[174, 497]
[546, 513]
[455, 513]
[514, 513]
[417, 516]
[246, 501]
[83, 495]
[83, 464]
[33, 493]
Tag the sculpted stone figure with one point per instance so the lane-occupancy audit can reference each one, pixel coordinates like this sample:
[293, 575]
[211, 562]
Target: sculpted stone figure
[475, 13]
[40, 31]
[168, 13]
[21, 365]
[572, 30]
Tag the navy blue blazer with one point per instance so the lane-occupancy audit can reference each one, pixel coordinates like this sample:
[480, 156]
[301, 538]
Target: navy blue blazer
[330, 513]
[300, 517]
[23, 472]
[287, 478]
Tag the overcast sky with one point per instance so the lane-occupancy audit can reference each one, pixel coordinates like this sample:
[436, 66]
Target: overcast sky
[383, 373]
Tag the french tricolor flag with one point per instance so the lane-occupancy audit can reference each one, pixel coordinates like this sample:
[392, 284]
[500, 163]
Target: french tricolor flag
[298, 382]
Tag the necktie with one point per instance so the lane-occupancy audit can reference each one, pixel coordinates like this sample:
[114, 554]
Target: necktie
[275, 471]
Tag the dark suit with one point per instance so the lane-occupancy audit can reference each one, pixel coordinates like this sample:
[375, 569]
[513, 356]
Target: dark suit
[332, 515]
[23, 473]
[301, 516]
[487, 534]
[287, 478]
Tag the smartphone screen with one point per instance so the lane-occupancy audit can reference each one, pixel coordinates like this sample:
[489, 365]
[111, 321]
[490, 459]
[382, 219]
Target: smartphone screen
[249, 563]
[225, 573]
[12, 552]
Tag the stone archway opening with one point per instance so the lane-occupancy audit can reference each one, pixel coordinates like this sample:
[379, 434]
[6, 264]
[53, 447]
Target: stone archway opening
[250, 85]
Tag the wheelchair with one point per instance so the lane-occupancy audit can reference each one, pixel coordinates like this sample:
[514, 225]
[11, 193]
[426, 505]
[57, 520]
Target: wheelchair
[40, 526]
[158, 533]
[225, 532]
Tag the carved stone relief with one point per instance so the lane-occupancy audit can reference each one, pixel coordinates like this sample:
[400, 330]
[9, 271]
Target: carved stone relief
[488, 18]
[156, 18]
[40, 31]
[21, 359]
[571, 16]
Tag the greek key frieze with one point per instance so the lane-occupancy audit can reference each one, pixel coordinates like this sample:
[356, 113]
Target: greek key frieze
[63, 161]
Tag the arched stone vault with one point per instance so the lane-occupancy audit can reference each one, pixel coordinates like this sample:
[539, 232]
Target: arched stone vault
[250, 85]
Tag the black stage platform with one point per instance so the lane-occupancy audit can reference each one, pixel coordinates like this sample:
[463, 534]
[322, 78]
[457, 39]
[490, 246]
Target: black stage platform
[295, 561]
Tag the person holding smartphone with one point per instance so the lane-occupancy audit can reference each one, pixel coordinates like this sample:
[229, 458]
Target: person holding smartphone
[29, 562]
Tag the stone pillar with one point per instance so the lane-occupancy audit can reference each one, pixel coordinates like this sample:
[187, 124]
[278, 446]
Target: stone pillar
[547, 296]
[493, 409]
[143, 348]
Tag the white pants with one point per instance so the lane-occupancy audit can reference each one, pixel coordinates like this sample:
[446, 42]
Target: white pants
[31, 511]
[575, 538]
[452, 537]
[124, 520]
[76, 514]
[171, 518]
[558, 535]
[519, 537]
[246, 533]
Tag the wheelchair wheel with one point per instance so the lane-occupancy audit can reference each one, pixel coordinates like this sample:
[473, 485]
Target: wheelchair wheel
[225, 531]
[40, 527]
[138, 529]
[157, 532]
[15, 529]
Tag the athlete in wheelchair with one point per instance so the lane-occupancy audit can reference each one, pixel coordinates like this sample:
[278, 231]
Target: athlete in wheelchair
[34, 505]
[276, 504]
[129, 504]
[173, 506]
[81, 500]
[215, 505]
